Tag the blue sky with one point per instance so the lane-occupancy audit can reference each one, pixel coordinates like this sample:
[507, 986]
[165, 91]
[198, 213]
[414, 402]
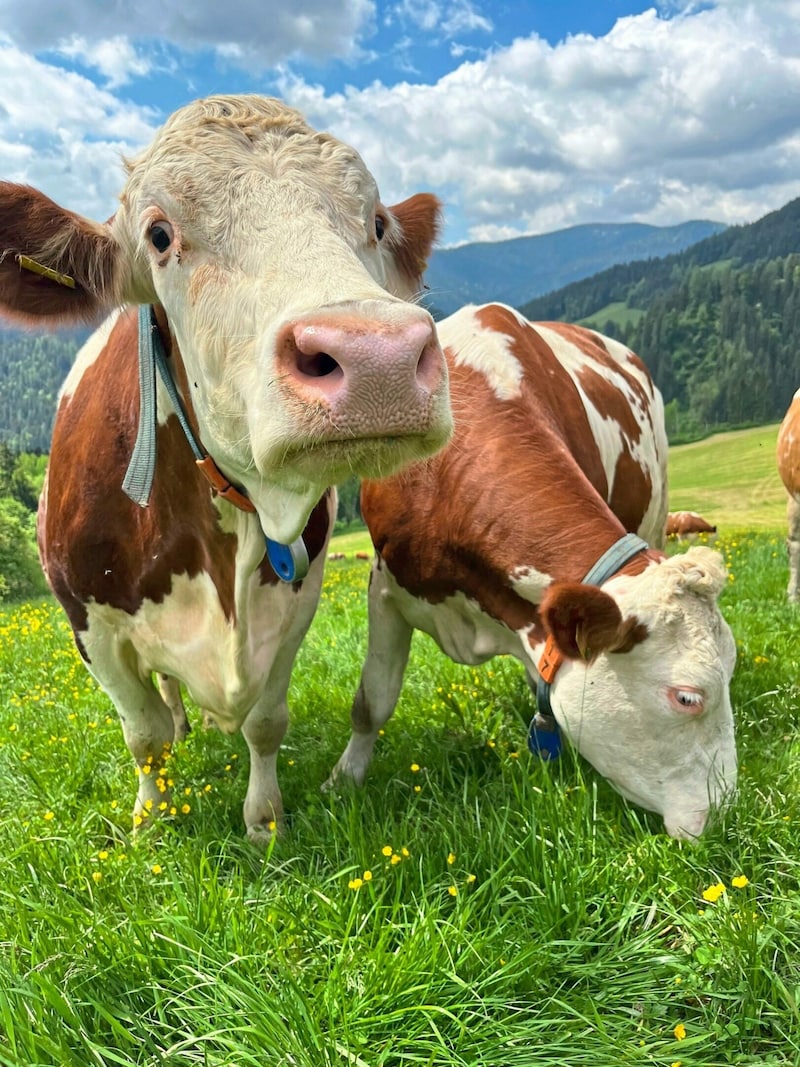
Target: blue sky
[523, 117]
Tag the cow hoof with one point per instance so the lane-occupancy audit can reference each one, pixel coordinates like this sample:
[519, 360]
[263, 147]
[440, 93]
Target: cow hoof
[262, 835]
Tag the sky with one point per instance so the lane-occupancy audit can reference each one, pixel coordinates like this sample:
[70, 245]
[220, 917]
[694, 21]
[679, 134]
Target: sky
[524, 117]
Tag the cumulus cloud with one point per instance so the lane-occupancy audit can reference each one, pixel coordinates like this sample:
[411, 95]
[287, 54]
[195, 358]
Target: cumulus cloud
[253, 33]
[115, 58]
[661, 120]
[61, 133]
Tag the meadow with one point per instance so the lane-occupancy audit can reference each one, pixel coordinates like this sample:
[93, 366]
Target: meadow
[469, 906]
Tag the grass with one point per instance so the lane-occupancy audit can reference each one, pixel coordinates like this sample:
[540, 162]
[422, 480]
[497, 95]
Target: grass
[467, 907]
[731, 479]
[618, 312]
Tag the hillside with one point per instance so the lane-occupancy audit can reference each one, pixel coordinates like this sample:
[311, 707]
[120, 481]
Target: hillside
[718, 324]
[517, 270]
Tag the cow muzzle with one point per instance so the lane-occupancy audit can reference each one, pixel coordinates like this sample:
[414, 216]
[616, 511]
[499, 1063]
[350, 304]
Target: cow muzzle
[359, 377]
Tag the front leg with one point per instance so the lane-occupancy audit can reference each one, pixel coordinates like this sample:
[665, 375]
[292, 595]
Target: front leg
[388, 648]
[793, 546]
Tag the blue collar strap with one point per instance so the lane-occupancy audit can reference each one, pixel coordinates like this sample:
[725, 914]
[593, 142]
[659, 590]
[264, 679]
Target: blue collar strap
[290, 562]
[544, 736]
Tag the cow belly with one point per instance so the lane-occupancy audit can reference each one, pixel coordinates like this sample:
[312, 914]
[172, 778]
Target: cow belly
[224, 663]
[461, 629]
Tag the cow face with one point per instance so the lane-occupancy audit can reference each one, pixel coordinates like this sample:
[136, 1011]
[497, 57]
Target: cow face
[643, 694]
[285, 283]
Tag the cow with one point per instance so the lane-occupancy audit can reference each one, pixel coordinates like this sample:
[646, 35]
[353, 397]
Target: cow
[518, 538]
[254, 267]
[687, 523]
[788, 451]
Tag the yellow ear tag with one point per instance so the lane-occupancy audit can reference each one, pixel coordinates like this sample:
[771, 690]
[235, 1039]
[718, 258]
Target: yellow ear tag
[46, 272]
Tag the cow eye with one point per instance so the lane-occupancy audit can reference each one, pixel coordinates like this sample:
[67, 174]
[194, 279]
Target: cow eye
[161, 236]
[687, 699]
[380, 227]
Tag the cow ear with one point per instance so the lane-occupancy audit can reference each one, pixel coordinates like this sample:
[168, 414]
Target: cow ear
[584, 621]
[411, 240]
[55, 266]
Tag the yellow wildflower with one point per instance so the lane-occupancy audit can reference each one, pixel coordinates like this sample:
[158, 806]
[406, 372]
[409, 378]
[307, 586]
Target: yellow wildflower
[415, 767]
[97, 876]
[355, 883]
[102, 854]
[451, 858]
[387, 850]
[679, 1031]
[714, 892]
[740, 881]
[48, 815]
[396, 859]
[451, 889]
[471, 878]
[367, 876]
[156, 868]
[186, 808]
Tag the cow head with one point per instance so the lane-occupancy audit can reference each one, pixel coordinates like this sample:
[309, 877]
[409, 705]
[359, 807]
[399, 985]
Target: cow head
[643, 692]
[286, 284]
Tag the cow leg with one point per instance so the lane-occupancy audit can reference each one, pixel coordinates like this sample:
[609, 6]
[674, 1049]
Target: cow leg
[793, 545]
[147, 724]
[388, 648]
[170, 690]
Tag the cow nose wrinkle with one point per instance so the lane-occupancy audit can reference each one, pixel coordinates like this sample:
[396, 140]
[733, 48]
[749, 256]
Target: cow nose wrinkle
[429, 364]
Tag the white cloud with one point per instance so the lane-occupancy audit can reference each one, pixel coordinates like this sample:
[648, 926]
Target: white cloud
[61, 133]
[259, 34]
[661, 120]
[115, 58]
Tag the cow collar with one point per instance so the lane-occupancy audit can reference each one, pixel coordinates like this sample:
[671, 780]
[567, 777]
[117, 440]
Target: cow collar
[544, 736]
[290, 562]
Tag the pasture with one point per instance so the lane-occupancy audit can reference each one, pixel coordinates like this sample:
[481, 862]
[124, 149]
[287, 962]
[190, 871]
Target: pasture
[468, 907]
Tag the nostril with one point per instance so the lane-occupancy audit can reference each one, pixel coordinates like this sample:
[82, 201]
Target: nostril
[429, 366]
[318, 365]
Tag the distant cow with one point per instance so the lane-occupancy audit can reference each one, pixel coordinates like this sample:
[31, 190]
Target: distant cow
[684, 523]
[789, 470]
[275, 287]
[559, 450]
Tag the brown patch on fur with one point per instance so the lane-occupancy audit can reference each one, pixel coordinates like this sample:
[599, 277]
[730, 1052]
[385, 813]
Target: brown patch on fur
[31, 224]
[632, 491]
[788, 449]
[585, 622]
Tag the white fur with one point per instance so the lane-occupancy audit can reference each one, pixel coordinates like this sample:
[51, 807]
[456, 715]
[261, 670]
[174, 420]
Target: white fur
[485, 350]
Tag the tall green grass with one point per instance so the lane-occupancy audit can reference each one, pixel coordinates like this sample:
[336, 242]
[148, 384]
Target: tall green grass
[469, 906]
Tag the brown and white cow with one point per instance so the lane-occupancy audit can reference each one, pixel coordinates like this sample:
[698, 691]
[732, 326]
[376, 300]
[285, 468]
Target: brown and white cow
[789, 470]
[686, 523]
[279, 286]
[559, 449]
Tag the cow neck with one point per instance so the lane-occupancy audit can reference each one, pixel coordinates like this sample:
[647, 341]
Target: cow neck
[290, 562]
[544, 737]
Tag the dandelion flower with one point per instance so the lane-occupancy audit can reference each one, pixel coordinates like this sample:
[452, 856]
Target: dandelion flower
[679, 1032]
[415, 767]
[740, 881]
[714, 892]
[387, 850]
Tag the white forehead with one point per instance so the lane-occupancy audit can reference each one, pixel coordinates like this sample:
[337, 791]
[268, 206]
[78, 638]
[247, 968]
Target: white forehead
[233, 148]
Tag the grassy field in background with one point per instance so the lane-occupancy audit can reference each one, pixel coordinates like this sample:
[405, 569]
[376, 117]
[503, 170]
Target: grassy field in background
[731, 479]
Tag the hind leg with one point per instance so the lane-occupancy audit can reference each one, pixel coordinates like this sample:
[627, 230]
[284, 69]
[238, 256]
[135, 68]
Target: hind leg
[793, 545]
[170, 690]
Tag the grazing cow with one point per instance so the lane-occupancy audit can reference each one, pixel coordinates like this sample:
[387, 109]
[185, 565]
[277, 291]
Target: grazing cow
[684, 523]
[559, 449]
[273, 291]
[789, 470]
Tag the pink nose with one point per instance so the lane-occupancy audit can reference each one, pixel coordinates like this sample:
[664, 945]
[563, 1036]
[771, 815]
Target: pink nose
[363, 368]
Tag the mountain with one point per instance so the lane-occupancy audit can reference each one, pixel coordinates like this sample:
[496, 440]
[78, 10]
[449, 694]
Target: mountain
[520, 269]
[718, 324]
